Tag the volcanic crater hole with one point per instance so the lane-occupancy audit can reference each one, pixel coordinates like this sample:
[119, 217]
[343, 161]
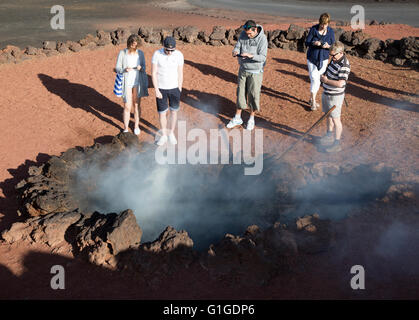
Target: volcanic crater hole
[209, 201]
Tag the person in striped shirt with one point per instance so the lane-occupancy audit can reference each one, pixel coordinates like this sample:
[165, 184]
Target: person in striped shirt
[334, 83]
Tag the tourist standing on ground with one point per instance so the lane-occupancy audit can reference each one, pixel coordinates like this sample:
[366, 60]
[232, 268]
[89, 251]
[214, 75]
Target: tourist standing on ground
[167, 74]
[319, 40]
[251, 50]
[131, 64]
[334, 83]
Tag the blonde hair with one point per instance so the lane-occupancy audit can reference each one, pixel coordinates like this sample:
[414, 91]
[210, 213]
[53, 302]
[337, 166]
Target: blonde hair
[324, 18]
[337, 47]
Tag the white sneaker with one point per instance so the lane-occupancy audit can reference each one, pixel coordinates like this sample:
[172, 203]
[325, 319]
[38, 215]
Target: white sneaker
[162, 140]
[137, 131]
[126, 130]
[234, 122]
[172, 138]
[250, 125]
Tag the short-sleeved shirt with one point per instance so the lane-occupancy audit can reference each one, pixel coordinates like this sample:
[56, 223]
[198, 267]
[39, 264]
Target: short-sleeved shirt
[337, 70]
[167, 68]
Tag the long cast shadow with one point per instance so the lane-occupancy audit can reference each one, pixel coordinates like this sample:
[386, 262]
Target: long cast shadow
[230, 77]
[354, 80]
[80, 96]
[364, 94]
[225, 109]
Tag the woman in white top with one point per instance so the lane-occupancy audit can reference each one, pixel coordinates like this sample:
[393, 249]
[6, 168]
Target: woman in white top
[131, 63]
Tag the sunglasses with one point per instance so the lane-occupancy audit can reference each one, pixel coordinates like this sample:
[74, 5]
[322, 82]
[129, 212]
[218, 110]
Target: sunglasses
[169, 50]
[334, 55]
[246, 27]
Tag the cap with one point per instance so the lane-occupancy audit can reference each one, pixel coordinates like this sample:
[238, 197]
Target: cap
[169, 43]
[249, 24]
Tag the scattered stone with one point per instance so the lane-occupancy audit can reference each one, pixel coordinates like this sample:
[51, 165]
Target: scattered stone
[49, 45]
[218, 33]
[314, 235]
[203, 37]
[62, 47]
[32, 51]
[409, 48]
[103, 38]
[74, 46]
[188, 34]
[145, 32]
[100, 237]
[358, 37]
[294, 32]
[89, 38]
[230, 36]
[120, 35]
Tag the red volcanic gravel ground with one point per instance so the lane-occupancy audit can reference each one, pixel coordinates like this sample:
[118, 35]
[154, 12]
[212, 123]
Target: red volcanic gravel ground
[52, 104]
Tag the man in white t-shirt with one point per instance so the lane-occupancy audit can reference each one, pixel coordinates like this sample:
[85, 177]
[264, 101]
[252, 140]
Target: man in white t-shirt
[167, 75]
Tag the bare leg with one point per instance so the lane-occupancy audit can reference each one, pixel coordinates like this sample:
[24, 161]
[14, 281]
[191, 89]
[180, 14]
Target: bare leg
[330, 124]
[338, 125]
[163, 122]
[127, 110]
[173, 121]
[137, 104]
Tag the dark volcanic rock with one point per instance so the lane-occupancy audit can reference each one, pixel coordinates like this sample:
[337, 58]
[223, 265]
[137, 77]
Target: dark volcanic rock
[100, 237]
[230, 36]
[169, 240]
[358, 37]
[103, 38]
[203, 37]
[165, 256]
[62, 47]
[370, 47]
[46, 190]
[32, 51]
[49, 45]
[218, 33]
[49, 229]
[120, 35]
[74, 46]
[89, 38]
[409, 48]
[314, 235]
[295, 32]
[188, 34]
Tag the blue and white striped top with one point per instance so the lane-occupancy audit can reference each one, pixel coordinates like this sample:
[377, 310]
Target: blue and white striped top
[337, 70]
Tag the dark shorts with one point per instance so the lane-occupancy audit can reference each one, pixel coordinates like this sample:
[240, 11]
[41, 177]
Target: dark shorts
[171, 97]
